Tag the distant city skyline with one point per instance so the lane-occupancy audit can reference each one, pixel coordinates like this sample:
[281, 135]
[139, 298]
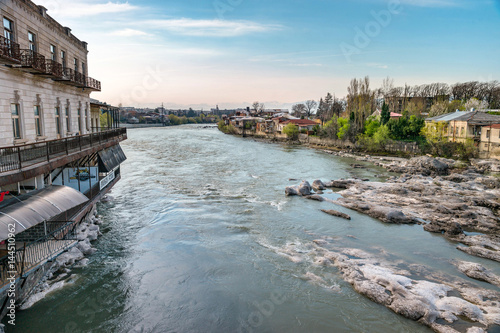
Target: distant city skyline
[231, 53]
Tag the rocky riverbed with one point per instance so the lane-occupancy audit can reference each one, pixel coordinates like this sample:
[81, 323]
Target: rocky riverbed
[444, 303]
[461, 202]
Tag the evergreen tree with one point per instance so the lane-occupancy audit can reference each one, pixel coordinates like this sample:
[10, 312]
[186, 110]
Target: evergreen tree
[385, 115]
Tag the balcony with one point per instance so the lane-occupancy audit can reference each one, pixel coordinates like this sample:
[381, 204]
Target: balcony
[71, 77]
[93, 84]
[10, 52]
[53, 69]
[28, 160]
[32, 62]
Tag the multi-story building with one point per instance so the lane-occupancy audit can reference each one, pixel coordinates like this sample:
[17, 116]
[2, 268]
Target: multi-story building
[56, 161]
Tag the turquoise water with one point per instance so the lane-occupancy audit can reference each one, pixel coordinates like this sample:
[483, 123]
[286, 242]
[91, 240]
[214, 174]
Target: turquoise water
[188, 241]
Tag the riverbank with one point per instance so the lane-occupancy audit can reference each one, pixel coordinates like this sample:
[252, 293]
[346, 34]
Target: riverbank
[457, 201]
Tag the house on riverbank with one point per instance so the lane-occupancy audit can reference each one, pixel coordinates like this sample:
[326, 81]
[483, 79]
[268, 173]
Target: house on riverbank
[479, 126]
[56, 161]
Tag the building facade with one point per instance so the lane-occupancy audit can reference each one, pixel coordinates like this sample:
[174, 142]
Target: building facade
[56, 161]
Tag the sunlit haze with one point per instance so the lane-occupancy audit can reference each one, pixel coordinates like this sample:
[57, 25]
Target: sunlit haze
[231, 53]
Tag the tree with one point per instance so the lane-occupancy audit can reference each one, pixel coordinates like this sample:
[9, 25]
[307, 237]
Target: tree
[385, 115]
[476, 104]
[381, 136]
[258, 107]
[292, 131]
[103, 118]
[438, 109]
[344, 126]
[310, 106]
[360, 102]
[298, 110]
[371, 126]
[191, 113]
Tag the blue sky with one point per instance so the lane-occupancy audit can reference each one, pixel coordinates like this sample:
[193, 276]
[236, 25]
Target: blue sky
[233, 52]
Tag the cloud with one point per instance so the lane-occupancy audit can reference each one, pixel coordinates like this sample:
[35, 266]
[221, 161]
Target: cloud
[306, 65]
[210, 28]
[128, 33]
[376, 65]
[75, 9]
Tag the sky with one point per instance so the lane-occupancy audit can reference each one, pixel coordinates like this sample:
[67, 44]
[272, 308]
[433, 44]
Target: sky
[230, 53]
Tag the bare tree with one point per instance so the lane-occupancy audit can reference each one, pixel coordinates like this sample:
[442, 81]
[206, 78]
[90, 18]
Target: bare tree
[298, 110]
[310, 106]
[258, 107]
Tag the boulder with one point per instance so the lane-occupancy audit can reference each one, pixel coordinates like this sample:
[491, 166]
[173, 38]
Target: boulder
[336, 213]
[318, 185]
[341, 183]
[304, 188]
[427, 166]
[315, 197]
[478, 272]
[291, 190]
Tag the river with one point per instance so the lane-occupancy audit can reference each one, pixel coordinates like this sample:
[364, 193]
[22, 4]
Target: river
[190, 237]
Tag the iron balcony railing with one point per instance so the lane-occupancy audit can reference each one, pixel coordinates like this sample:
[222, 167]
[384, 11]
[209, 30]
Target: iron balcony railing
[18, 157]
[60, 236]
[33, 60]
[53, 68]
[93, 84]
[10, 52]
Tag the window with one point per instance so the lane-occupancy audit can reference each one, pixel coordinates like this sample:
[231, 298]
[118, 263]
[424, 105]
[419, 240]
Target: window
[58, 121]
[68, 120]
[84, 69]
[16, 121]
[32, 41]
[487, 134]
[75, 62]
[53, 53]
[8, 29]
[462, 131]
[38, 121]
[63, 59]
[79, 120]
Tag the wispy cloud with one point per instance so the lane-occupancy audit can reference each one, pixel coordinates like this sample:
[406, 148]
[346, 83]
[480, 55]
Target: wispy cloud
[128, 33]
[75, 9]
[306, 65]
[211, 28]
[376, 65]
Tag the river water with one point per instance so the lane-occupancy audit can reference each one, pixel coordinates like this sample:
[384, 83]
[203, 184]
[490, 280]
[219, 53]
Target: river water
[190, 237]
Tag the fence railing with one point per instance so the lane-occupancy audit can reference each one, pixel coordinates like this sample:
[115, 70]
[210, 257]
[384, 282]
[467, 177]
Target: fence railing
[18, 157]
[60, 235]
[33, 60]
[9, 50]
[53, 68]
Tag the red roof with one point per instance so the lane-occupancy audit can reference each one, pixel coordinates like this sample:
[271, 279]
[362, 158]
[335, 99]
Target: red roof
[394, 114]
[301, 122]
[496, 126]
